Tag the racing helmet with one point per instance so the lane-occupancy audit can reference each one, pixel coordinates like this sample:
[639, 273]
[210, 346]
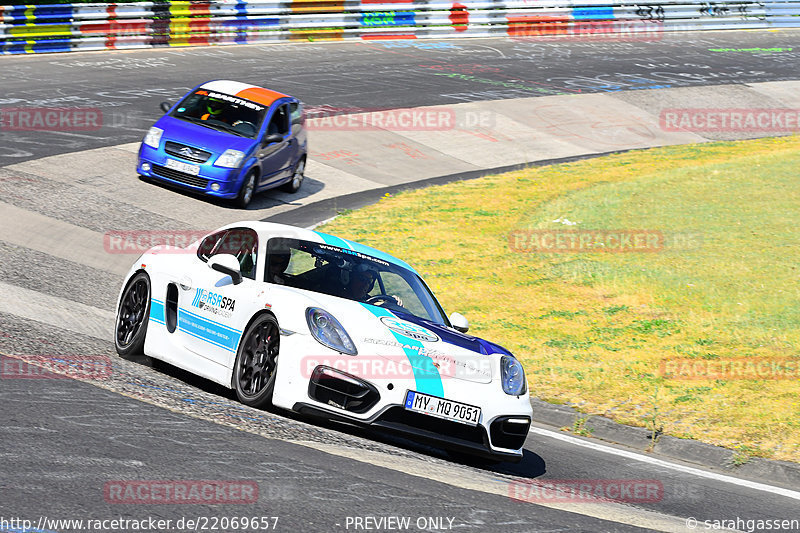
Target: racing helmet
[363, 270]
[214, 106]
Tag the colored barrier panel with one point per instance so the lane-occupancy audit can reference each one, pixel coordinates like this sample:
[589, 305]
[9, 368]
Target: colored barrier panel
[73, 27]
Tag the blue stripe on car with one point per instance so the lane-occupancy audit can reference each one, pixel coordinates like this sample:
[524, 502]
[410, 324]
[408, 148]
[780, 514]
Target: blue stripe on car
[156, 310]
[363, 249]
[426, 376]
[333, 241]
[208, 330]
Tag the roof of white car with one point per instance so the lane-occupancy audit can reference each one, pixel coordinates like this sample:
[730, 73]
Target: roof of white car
[270, 229]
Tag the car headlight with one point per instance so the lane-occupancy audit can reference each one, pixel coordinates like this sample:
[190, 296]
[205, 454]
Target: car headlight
[230, 159]
[328, 331]
[512, 375]
[153, 137]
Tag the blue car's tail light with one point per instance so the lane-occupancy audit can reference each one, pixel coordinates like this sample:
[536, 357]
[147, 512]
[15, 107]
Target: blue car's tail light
[328, 331]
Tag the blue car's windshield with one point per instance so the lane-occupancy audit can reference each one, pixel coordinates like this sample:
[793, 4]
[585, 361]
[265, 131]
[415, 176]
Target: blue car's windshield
[348, 274]
[222, 112]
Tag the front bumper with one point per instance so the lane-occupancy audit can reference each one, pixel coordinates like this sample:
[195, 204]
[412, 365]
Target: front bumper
[473, 440]
[227, 181]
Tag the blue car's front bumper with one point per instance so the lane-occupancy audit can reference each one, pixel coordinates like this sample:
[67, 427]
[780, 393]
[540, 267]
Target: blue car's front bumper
[211, 180]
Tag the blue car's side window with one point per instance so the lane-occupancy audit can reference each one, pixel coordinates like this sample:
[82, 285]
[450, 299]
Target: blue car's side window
[279, 123]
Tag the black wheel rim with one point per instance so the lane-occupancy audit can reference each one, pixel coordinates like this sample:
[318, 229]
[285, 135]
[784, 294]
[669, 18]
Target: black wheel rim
[258, 360]
[132, 312]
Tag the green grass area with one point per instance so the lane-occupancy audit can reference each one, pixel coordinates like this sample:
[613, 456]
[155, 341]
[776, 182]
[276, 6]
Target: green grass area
[594, 328]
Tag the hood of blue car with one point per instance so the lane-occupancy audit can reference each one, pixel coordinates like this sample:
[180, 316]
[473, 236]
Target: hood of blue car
[208, 139]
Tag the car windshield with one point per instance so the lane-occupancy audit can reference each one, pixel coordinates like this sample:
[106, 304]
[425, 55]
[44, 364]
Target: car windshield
[222, 112]
[348, 274]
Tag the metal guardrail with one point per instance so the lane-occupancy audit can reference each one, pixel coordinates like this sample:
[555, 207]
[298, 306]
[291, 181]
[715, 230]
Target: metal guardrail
[74, 27]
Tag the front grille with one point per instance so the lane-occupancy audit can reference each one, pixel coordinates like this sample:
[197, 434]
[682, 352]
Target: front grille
[401, 418]
[182, 177]
[186, 152]
[510, 431]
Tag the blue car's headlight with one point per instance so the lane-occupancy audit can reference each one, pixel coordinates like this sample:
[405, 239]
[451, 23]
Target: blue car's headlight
[230, 158]
[512, 375]
[328, 331]
[153, 137]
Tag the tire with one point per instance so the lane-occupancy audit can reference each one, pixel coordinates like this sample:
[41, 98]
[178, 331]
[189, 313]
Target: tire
[247, 190]
[130, 328]
[257, 362]
[297, 177]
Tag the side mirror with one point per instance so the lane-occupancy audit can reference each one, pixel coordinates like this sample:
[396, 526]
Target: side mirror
[273, 138]
[227, 264]
[459, 322]
[165, 106]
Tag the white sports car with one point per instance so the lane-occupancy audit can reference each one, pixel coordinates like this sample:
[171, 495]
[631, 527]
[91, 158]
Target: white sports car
[326, 327]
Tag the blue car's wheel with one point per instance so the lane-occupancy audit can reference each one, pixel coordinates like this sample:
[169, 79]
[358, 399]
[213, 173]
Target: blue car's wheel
[297, 177]
[247, 190]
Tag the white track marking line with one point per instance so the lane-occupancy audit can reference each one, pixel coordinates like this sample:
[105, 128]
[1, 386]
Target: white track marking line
[666, 464]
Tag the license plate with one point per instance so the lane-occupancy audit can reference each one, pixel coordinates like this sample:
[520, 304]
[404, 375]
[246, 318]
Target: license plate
[441, 408]
[194, 170]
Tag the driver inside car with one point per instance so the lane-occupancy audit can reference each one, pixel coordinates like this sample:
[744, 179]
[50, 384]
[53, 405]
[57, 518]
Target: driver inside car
[214, 108]
[362, 280]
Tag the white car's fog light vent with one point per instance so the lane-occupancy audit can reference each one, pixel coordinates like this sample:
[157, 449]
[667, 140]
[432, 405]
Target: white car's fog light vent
[510, 431]
[342, 390]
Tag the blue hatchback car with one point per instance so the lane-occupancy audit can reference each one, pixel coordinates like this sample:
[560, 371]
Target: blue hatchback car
[228, 139]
